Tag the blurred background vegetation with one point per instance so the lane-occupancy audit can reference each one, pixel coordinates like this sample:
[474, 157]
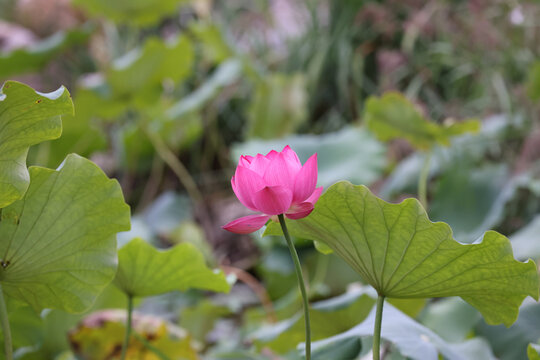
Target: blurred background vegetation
[169, 93]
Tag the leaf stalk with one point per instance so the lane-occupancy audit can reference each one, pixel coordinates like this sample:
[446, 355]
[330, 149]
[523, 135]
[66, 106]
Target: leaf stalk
[377, 329]
[125, 345]
[8, 347]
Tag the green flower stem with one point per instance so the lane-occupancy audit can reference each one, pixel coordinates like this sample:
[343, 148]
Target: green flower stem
[422, 181]
[8, 349]
[377, 329]
[301, 284]
[128, 327]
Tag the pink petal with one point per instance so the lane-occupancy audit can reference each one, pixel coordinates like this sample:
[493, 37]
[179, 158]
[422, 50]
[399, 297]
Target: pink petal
[280, 171]
[299, 211]
[315, 196]
[259, 164]
[246, 224]
[245, 160]
[271, 154]
[245, 183]
[245, 199]
[306, 180]
[291, 156]
[273, 200]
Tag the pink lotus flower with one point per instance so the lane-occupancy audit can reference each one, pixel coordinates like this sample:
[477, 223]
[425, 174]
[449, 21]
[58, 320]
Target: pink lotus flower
[274, 184]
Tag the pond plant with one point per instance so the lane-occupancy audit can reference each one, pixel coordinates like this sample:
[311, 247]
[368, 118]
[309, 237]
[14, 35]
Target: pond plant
[277, 185]
[394, 145]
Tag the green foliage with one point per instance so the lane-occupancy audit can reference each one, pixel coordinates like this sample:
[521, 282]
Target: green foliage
[278, 107]
[137, 76]
[214, 47]
[100, 335]
[467, 150]
[38, 55]
[97, 101]
[49, 331]
[135, 81]
[243, 78]
[144, 271]
[200, 319]
[451, 318]
[328, 318]
[412, 339]
[79, 135]
[27, 118]
[225, 74]
[134, 12]
[524, 241]
[397, 250]
[393, 116]
[26, 324]
[58, 242]
[533, 83]
[469, 201]
[511, 343]
[533, 352]
[346, 348]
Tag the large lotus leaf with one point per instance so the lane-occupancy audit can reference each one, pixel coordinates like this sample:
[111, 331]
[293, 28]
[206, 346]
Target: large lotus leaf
[136, 12]
[412, 339]
[58, 243]
[38, 55]
[362, 159]
[145, 271]
[27, 118]
[393, 116]
[402, 254]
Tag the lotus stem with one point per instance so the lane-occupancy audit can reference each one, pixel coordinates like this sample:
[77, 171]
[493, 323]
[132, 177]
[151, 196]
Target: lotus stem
[8, 348]
[125, 345]
[377, 329]
[301, 284]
